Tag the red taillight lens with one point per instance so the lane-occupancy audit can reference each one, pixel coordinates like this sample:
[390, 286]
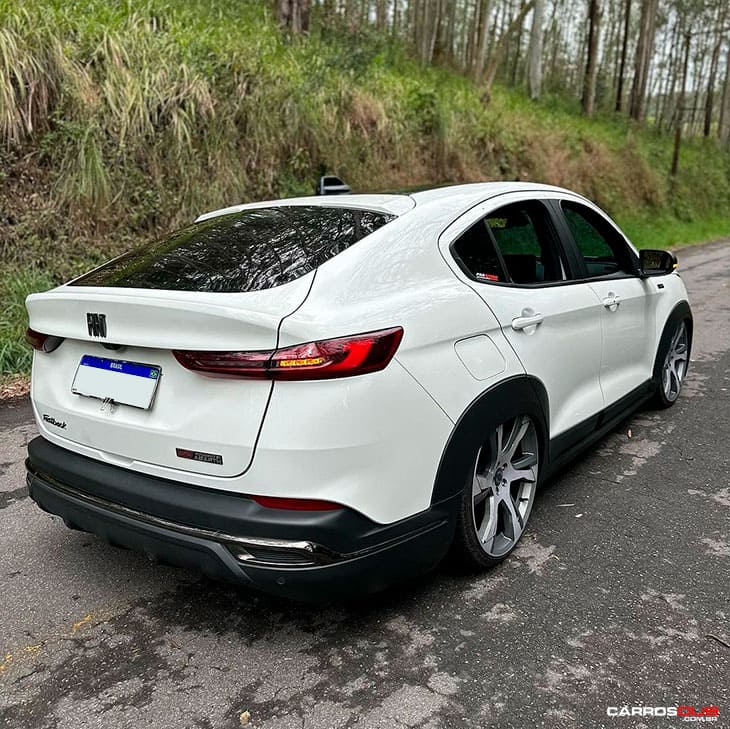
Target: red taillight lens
[323, 360]
[35, 339]
[277, 502]
[234, 364]
[42, 342]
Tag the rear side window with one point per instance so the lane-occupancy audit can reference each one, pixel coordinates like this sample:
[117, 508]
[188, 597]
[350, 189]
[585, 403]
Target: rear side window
[514, 244]
[249, 250]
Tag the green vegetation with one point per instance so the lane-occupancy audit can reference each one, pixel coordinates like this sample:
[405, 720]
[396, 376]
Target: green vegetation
[15, 354]
[121, 120]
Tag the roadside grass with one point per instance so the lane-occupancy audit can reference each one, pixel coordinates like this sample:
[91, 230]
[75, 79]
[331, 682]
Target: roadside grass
[667, 232]
[15, 285]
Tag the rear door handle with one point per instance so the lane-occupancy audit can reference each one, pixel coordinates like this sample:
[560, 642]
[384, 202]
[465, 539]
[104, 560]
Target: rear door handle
[612, 301]
[526, 321]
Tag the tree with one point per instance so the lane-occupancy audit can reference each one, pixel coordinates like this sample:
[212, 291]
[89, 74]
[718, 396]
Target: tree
[624, 51]
[642, 60]
[293, 15]
[680, 105]
[714, 63]
[589, 78]
[534, 61]
[723, 127]
[500, 48]
[483, 39]
[381, 14]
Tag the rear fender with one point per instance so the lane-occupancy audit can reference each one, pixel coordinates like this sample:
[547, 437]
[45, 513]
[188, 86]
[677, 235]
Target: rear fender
[517, 395]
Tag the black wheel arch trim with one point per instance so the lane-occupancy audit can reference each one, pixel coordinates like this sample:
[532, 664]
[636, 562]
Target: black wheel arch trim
[521, 394]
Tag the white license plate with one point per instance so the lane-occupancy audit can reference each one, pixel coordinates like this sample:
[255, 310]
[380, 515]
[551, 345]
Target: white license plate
[126, 383]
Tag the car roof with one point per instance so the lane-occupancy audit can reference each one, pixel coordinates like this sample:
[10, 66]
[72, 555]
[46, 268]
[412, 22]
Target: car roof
[480, 191]
[392, 204]
[454, 197]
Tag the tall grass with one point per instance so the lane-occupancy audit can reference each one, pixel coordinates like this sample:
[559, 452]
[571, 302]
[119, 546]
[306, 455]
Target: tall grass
[15, 354]
[119, 120]
[128, 106]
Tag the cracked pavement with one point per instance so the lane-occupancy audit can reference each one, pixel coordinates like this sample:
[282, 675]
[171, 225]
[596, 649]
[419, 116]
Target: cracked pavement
[618, 595]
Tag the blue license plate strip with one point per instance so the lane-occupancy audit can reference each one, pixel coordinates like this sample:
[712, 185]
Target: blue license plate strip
[117, 365]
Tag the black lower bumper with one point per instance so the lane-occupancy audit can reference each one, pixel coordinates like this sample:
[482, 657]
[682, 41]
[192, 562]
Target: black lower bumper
[301, 555]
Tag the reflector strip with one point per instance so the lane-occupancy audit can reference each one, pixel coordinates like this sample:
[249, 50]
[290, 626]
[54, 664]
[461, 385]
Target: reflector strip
[277, 502]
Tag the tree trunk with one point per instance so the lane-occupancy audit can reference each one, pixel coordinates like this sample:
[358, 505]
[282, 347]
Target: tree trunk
[351, 14]
[481, 54]
[473, 44]
[381, 14]
[501, 47]
[680, 106]
[434, 29]
[534, 61]
[293, 15]
[624, 50]
[723, 127]
[464, 49]
[714, 62]
[450, 40]
[518, 51]
[670, 107]
[589, 79]
[698, 77]
[644, 51]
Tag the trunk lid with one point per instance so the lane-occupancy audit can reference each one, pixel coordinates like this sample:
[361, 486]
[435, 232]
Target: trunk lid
[200, 415]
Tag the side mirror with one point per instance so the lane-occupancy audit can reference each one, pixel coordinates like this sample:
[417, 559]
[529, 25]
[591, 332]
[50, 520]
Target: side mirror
[331, 185]
[656, 263]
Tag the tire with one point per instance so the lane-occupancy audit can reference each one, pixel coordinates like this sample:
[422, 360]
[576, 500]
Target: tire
[672, 363]
[497, 498]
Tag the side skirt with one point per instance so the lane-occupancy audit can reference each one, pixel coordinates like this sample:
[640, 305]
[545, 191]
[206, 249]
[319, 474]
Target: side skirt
[567, 445]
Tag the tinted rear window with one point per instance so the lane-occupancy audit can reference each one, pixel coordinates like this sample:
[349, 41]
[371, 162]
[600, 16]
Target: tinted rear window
[244, 251]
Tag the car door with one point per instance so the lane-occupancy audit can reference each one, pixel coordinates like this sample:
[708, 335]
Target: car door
[627, 321]
[514, 260]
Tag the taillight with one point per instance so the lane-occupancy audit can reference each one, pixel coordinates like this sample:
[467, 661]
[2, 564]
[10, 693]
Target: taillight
[323, 360]
[278, 502]
[42, 342]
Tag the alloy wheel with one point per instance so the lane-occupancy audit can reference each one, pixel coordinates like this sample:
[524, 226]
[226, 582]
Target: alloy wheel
[675, 363]
[504, 483]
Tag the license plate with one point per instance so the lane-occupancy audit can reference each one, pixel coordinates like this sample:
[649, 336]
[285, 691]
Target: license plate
[125, 383]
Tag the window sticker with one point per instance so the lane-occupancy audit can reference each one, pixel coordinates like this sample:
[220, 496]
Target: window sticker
[487, 276]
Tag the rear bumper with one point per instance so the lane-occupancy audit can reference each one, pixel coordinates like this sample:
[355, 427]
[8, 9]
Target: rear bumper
[301, 555]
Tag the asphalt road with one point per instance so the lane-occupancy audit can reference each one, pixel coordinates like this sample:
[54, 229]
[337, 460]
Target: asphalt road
[612, 600]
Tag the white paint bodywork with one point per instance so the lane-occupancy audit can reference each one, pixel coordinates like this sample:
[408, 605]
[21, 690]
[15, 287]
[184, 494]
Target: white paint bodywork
[372, 442]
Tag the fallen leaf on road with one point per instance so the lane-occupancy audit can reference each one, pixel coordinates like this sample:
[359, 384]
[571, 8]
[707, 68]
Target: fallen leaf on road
[14, 386]
[244, 718]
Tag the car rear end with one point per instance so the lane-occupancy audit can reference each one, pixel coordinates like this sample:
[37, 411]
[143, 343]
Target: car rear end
[159, 379]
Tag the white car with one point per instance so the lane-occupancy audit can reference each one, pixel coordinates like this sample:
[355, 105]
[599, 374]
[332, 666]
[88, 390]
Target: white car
[326, 394]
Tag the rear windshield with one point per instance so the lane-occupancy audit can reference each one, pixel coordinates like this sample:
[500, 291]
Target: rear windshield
[249, 250]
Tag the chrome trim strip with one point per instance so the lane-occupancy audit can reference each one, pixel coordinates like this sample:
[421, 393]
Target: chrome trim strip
[315, 553]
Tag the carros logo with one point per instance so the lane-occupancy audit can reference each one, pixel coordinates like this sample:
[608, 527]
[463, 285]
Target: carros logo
[683, 712]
